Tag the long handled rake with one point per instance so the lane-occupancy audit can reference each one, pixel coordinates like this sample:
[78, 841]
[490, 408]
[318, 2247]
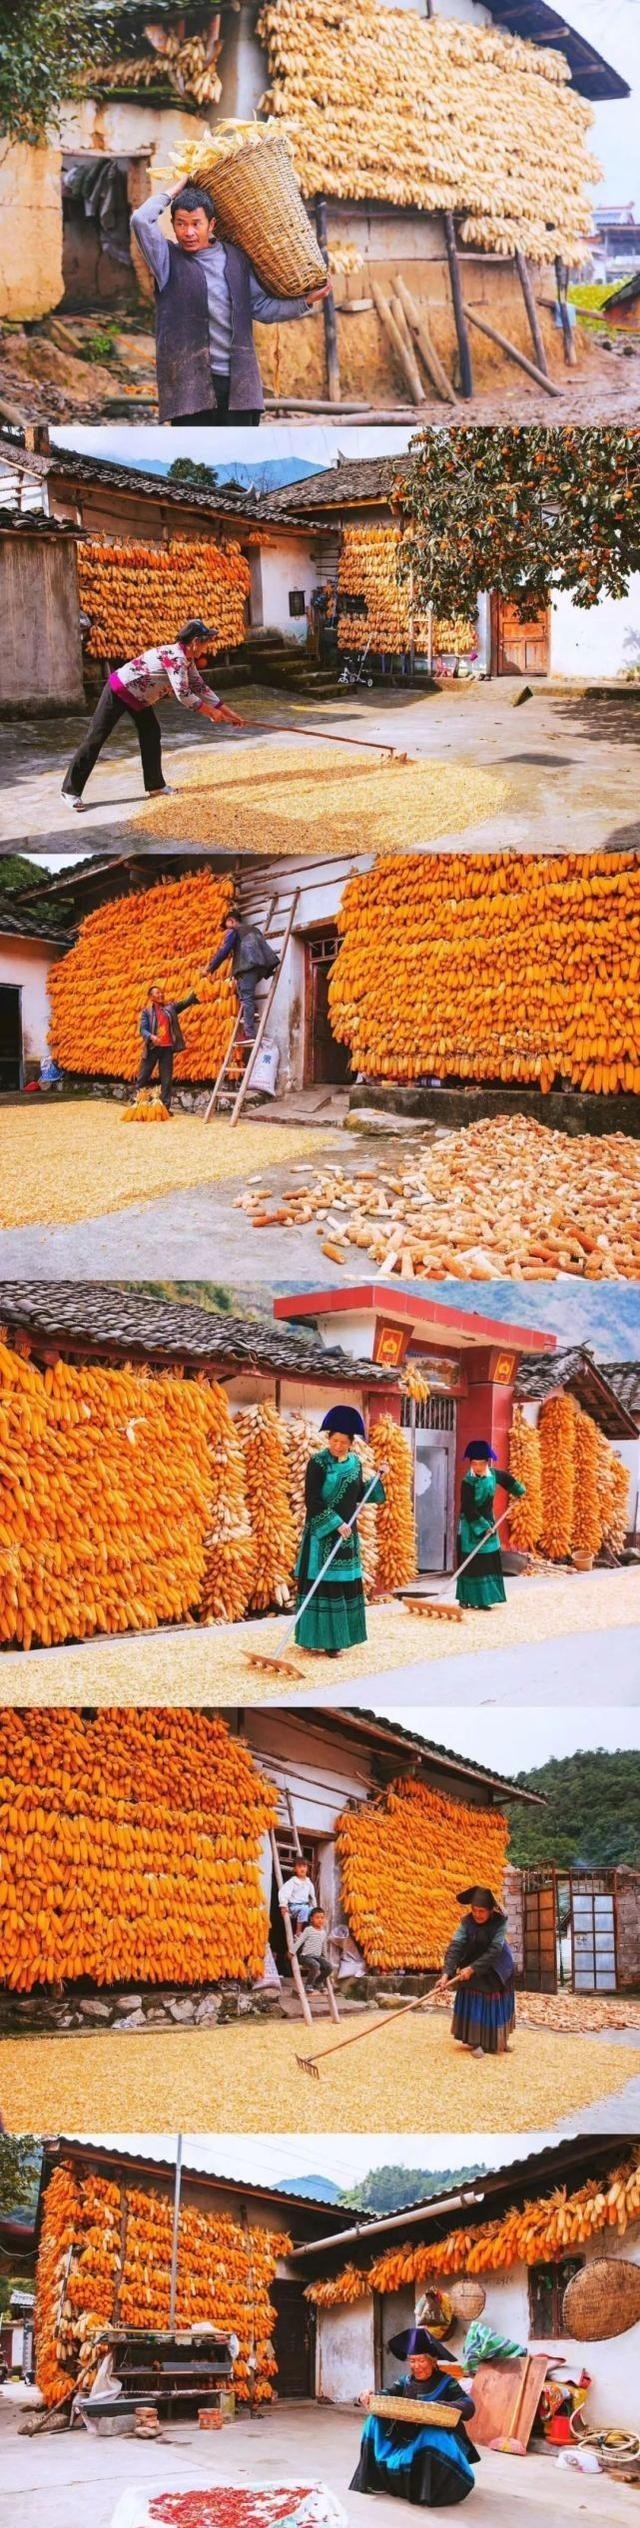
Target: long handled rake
[273, 1660]
[310, 2063]
[328, 738]
[445, 1608]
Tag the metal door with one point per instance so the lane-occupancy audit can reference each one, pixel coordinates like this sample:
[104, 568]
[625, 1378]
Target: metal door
[593, 1932]
[433, 1469]
[540, 1930]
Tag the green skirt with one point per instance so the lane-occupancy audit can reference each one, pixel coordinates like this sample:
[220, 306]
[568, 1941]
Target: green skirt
[483, 1584]
[336, 1617]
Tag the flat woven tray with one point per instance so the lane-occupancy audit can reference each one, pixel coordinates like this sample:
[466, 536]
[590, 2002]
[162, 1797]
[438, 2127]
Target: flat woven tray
[414, 2409]
[261, 209]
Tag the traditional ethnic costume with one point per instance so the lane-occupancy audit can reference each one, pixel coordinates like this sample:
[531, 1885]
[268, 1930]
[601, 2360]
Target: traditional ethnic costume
[484, 2009]
[428, 2466]
[483, 1584]
[333, 1488]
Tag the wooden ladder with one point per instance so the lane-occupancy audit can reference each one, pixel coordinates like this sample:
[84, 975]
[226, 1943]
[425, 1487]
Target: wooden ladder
[293, 1962]
[222, 1093]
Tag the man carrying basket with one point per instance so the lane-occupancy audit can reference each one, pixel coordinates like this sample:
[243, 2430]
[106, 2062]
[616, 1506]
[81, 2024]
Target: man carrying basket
[207, 296]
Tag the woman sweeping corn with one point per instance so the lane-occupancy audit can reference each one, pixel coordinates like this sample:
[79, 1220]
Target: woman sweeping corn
[479, 1956]
[483, 1584]
[334, 1486]
[430, 2464]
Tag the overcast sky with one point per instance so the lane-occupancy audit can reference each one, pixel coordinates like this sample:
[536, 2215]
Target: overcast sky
[346, 2157]
[515, 1740]
[613, 26]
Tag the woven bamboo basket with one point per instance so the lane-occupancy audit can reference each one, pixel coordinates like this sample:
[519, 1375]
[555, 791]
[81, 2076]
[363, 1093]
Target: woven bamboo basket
[602, 2300]
[260, 208]
[468, 2300]
[415, 2409]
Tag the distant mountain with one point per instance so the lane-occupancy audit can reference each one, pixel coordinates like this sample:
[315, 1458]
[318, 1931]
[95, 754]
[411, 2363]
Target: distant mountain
[265, 477]
[606, 1315]
[320, 2189]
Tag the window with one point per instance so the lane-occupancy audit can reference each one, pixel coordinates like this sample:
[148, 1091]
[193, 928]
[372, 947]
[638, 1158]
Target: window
[547, 2286]
[297, 601]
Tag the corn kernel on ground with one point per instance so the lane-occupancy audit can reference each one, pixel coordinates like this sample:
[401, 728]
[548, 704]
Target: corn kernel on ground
[74, 1161]
[210, 1664]
[297, 798]
[244, 2078]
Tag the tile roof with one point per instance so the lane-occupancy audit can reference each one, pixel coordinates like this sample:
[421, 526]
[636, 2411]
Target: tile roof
[624, 1377]
[352, 479]
[583, 1377]
[16, 921]
[225, 501]
[108, 1317]
[521, 2180]
[448, 1757]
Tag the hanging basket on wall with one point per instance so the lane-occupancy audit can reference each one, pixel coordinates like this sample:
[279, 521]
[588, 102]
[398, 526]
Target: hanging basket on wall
[602, 2300]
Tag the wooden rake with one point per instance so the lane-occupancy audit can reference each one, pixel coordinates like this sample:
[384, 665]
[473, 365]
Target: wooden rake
[445, 1609]
[327, 737]
[310, 2063]
[272, 1660]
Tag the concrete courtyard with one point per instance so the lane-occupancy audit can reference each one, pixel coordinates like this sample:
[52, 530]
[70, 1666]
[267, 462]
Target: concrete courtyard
[568, 754]
[71, 2479]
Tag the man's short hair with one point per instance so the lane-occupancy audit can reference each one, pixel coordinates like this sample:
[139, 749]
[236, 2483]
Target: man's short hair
[155, 987]
[192, 197]
[195, 630]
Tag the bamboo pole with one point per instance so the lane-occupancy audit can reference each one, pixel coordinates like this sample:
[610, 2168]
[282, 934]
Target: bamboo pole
[418, 326]
[293, 1962]
[520, 358]
[464, 346]
[332, 355]
[522, 269]
[402, 348]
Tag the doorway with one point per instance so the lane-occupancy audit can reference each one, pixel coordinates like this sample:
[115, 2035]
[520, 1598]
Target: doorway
[11, 1072]
[326, 1063]
[294, 2341]
[98, 195]
[519, 649]
[433, 1429]
[570, 1930]
[312, 1848]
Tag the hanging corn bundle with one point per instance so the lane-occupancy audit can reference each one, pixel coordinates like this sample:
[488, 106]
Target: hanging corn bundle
[496, 966]
[613, 1496]
[130, 1847]
[396, 1534]
[139, 594]
[402, 1862]
[230, 1552]
[383, 104]
[274, 1537]
[97, 992]
[105, 2253]
[587, 1520]
[368, 570]
[557, 1458]
[536, 2233]
[525, 1462]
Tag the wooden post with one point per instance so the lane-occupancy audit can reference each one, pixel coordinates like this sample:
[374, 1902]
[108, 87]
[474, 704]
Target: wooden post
[520, 357]
[522, 270]
[332, 358]
[402, 347]
[418, 326]
[333, 2006]
[177, 2189]
[464, 346]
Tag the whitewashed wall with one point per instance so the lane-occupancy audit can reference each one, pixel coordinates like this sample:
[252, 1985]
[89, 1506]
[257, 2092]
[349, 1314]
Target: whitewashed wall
[614, 2367]
[346, 2354]
[283, 566]
[603, 642]
[26, 963]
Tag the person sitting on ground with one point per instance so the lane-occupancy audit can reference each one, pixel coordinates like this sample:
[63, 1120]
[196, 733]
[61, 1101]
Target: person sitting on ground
[431, 2463]
[207, 296]
[173, 668]
[312, 1950]
[162, 1039]
[252, 957]
[297, 1896]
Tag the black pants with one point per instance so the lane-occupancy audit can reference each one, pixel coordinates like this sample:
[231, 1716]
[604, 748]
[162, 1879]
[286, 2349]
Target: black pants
[217, 416]
[160, 1058]
[108, 711]
[246, 988]
[314, 1970]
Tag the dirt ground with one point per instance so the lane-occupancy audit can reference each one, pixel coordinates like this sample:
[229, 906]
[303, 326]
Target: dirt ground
[570, 757]
[246, 2076]
[73, 2478]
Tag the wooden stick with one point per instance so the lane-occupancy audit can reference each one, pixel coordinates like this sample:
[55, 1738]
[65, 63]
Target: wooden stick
[331, 1998]
[522, 269]
[265, 1014]
[293, 1962]
[512, 354]
[418, 326]
[328, 309]
[309, 2062]
[404, 353]
[464, 346]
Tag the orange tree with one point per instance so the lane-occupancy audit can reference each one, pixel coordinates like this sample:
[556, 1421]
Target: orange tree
[522, 512]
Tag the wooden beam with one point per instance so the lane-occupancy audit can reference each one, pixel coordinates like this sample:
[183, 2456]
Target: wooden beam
[464, 346]
[332, 357]
[418, 326]
[400, 344]
[512, 354]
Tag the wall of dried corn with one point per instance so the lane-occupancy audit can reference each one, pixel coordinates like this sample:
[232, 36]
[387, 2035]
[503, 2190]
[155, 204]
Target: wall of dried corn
[368, 569]
[105, 2253]
[162, 935]
[129, 1846]
[547, 2228]
[492, 966]
[138, 594]
[577, 1490]
[382, 104]
[402, 1862]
